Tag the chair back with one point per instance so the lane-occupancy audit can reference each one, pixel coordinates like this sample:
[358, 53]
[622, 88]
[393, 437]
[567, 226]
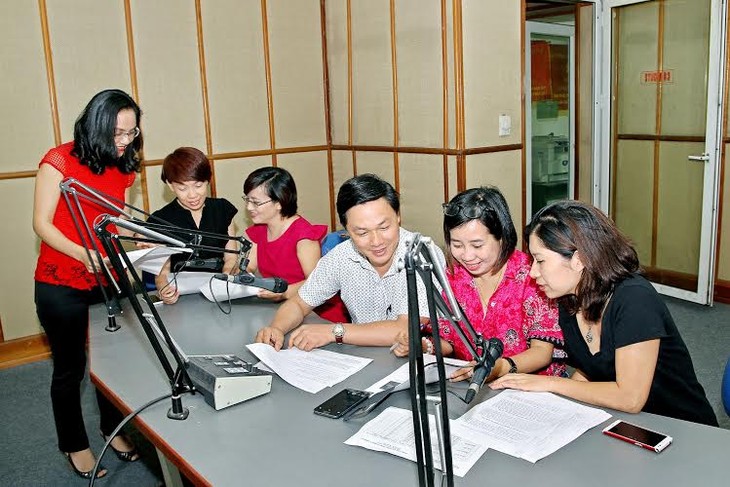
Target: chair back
[726, 388]
[333, 239]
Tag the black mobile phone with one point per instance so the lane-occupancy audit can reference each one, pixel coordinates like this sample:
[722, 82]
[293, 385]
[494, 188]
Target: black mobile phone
[337, 405]
[639, 436]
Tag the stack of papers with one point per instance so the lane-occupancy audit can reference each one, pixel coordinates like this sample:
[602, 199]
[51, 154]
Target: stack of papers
[527, 425]
[392, 432]
[530, 425]
[309, 371]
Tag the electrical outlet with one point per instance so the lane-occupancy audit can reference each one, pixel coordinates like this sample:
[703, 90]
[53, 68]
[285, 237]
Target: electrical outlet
[505, 125]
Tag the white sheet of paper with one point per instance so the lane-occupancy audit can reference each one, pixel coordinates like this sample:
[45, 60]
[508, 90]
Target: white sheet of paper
[309, 371]
[400, 374]
[530, 425]
[190, 282]
[152, 259]
[222, 290]
[392, 432]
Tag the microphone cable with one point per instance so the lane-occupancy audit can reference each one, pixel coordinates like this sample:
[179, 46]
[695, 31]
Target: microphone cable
[119, 427]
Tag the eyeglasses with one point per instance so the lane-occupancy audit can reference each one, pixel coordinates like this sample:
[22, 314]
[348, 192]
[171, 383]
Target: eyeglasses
[248, 201]
[470, 212]
[131, 135]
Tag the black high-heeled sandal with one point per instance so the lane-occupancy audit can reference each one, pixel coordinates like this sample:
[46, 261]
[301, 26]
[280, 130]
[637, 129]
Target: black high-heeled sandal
[125, 456]
[85, 475]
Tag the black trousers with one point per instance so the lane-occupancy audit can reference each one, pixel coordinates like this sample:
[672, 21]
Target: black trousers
[64, 315]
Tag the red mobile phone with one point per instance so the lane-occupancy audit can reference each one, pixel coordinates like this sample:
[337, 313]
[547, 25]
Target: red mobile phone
[639, 436]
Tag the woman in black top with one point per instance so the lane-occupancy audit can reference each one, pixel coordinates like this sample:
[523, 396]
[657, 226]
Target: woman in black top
[619, 335]
[187, 172]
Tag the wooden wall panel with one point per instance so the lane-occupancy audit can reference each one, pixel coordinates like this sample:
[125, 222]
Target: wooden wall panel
[453, 191]
[500, 169]
[235, 73]
[422, 181]
[230, 175]
[159, 193]
[492, 70]
[372, 73]
[633, 208]
[336, 13]
[309, 170]
[169, 76]
[19, 248]
[88, 55]
[420, 86]
[26, 128]
[585, 109]
[342, 171]
[295, 37]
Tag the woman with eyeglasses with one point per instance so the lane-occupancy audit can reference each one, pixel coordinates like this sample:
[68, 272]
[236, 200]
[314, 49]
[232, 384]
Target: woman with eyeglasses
[104, 155]
[286, 245]
[490, 279]
[187, 172]
[619, 335]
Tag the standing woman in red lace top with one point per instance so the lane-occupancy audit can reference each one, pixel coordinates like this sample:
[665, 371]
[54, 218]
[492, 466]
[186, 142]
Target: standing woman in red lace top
[105, 156]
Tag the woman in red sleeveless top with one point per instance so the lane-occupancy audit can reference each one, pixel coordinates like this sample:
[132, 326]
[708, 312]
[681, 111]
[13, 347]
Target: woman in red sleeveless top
[103, 156]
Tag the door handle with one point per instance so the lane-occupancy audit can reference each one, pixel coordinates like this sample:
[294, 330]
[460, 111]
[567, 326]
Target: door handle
[702, 158]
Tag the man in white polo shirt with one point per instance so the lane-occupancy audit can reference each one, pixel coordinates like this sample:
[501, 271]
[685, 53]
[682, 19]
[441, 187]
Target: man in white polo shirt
[364, 269]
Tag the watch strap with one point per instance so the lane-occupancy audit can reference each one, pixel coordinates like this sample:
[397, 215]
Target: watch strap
[512, 365]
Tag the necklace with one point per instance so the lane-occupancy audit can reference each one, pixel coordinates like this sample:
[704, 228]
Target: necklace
[589, 333]
[488, 292]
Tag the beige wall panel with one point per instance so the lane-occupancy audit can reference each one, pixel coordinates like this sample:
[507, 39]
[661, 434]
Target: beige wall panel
[635, 178]
[723, 255]
[372, 83]
[380, 163]
[236, 75]
[295, 38]
[135, 193]
[159, 193]
[492, 71]
[638, 31]
[342, 170]
[680, 207]
[686, 51]
[169, 76]
[336, 13]
[585, 115]
[452, 177]
[500, 169]
[309, 170]
[20, 247]
[420, 85]
[421, 194]
[27, 127]
[229, 177]
[88, 55]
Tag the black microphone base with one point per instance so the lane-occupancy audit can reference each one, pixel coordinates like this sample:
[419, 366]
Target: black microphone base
[178, 411]
[112, 325]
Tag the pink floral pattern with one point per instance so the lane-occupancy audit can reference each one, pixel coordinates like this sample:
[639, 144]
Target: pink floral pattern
[517, 312]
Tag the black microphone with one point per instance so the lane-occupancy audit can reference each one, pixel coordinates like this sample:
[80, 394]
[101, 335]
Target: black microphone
[273, 284]
[482, 371]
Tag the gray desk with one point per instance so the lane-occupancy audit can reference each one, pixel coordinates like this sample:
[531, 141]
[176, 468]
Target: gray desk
[276, 440]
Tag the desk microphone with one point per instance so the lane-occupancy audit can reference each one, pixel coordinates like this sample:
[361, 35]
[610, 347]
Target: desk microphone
[273, 284]
[481, 372]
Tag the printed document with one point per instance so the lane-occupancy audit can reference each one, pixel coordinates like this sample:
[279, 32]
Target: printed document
[309, 371]
[530, 425]
[392, 432]
[217, 290]
[153, 259]
[401, 374]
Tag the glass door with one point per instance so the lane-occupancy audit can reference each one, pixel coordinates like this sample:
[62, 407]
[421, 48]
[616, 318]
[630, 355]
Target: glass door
[549, 113]
[663, 61]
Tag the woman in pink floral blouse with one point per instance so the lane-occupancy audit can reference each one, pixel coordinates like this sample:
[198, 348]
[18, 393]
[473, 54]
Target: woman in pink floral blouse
[490, 279]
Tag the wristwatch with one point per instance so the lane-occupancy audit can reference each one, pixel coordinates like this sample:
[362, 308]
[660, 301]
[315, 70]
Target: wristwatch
[512, 365]
[338, 331]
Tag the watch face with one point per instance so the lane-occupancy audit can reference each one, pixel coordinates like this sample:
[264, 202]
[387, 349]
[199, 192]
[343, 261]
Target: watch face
[338, 330]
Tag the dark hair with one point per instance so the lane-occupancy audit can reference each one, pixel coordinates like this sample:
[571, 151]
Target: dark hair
[607, 255]
[486, 204]
[279, 186]
[186, 164]
[363, 189]
[94, 133]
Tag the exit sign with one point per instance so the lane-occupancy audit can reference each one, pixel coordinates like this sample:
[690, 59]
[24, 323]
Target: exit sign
[661, 76]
